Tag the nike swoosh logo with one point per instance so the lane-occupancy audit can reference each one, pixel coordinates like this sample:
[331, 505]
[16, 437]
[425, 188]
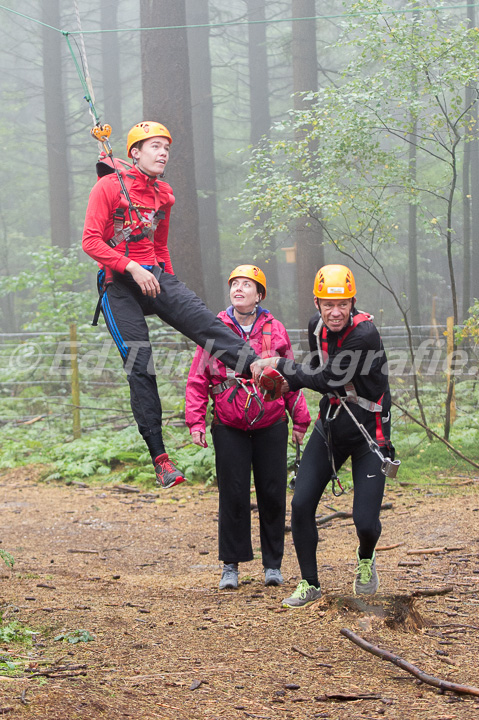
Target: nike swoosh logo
[370, 476]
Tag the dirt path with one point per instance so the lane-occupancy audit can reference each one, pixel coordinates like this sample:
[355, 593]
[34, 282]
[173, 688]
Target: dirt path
[139, 572]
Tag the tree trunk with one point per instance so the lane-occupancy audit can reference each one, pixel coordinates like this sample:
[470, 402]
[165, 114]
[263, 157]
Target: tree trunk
[167, 99]
[466, 222]
[55, 127]
[258, 71]
[110, 56]
[474, 202]
[204, 152]
[309, 249]
[412, 237]
[259, 94]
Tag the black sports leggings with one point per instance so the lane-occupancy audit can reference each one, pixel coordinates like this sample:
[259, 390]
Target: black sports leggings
[236, 452]
[313, 476]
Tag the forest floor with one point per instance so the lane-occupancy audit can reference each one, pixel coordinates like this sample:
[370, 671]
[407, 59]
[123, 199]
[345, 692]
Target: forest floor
[138, 572]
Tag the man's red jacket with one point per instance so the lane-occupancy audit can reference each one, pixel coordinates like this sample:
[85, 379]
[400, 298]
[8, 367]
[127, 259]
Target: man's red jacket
[148, 195]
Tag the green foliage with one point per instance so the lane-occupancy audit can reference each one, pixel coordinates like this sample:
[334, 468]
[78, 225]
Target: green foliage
[470, 330]
[15, 632]
[76, 636]
[50, 289]
[7, 558]
[341, 161]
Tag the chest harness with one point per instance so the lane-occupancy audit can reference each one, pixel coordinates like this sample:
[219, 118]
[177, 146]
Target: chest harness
[126, 230]
[248, 385]
[388, 467]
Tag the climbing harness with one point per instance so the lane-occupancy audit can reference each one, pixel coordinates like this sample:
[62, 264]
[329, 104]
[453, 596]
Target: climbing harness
[233, 381]
[389, 467]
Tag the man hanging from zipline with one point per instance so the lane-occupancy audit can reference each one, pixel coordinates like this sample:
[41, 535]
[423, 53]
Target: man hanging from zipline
[126, 232]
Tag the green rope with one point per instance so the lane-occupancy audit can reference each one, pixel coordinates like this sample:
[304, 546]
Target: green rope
[83, 81]
[27, 17]
[336, 16]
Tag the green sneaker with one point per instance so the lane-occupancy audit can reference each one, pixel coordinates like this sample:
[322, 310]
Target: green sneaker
[305, 594]
[366, 581]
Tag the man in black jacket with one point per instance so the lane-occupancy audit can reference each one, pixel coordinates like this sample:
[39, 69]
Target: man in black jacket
[348, 366]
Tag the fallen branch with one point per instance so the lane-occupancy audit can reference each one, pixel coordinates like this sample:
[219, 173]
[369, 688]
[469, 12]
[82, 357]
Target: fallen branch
[60, 671]
[426, 551]
[404, 665]
[438, 437]
[429, 592]
[350, 697]
[301, 652]
[382, 548]
[345, 514]
[33, 420]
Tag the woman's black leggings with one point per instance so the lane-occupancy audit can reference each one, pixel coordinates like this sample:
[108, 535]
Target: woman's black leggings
[236, 452]
[313, 476]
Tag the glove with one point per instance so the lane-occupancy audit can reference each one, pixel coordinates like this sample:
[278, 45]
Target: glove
[271, 382]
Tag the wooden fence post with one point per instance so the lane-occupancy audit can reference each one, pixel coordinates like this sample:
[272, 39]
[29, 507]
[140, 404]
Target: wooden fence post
[75, 382]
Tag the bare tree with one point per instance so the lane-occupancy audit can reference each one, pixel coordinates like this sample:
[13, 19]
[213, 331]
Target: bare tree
[473, 151]
[309, 237]
[110, 56]
[204, 150]
[55, 126]
[167, 99]
[259, 93]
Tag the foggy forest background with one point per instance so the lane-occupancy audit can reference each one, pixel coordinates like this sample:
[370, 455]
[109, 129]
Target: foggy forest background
[304, 133]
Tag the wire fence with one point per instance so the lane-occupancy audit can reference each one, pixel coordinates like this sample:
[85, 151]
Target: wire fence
[40, 370]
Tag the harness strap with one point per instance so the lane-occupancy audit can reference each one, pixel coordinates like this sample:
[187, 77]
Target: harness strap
[352, 396]
[123, 233]
[217, 389]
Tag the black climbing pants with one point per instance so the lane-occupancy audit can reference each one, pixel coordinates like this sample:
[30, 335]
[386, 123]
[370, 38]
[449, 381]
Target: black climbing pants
[313, 476]
[237, 451]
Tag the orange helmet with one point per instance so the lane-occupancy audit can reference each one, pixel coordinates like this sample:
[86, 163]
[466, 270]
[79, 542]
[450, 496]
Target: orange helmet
[145, 130]
[249, 271]
[334, 282]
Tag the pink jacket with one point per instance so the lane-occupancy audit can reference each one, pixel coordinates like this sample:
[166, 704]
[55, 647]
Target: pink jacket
[229, 405]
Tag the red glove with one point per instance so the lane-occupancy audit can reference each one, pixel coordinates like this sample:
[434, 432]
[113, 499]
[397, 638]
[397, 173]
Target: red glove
[270, 382]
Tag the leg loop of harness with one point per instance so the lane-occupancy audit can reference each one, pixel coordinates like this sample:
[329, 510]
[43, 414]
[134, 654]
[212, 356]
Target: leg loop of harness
[329, 441]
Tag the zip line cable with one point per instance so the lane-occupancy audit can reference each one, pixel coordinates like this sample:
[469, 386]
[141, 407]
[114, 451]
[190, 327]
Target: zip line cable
[389, 11]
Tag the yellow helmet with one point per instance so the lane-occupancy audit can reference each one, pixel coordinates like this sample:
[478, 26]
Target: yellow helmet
[145, 130]
[252, 272]
[334, 282]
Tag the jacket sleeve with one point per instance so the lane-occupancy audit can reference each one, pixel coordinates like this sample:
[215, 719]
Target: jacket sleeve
[341, 368]
[98, 227]
[196, 396]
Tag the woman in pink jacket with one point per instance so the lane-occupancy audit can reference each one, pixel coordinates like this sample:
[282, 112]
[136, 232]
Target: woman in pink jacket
[247, 432]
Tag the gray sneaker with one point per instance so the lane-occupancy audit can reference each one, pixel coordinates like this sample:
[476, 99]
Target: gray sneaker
[272, 576]
[366, 581]
[305, 594]
[229, 577]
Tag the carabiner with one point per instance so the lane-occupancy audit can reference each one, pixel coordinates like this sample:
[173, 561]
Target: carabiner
[335, 479]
